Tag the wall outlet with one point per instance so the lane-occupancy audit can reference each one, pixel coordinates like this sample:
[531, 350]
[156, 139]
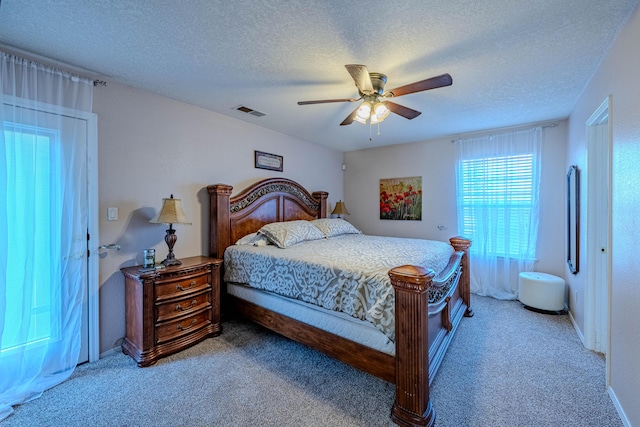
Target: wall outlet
[112, 214]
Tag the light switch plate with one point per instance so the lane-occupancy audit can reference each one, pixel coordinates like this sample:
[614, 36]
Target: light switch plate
[112, 214]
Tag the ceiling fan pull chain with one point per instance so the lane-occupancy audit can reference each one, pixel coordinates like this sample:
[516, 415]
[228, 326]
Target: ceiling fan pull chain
[370, 137]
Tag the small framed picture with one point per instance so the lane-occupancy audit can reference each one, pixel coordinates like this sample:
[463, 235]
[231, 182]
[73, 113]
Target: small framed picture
[268, 161]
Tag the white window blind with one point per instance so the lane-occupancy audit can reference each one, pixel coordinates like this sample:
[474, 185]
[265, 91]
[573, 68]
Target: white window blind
[502, 187]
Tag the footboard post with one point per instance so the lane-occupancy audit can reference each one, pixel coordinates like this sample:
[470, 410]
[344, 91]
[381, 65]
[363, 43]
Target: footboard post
[459, 243]
[412, 406]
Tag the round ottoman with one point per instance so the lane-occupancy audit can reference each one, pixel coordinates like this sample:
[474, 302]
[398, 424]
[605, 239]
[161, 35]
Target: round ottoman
[541, 290]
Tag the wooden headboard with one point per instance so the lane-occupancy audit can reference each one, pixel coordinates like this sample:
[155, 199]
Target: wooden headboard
[270, 200]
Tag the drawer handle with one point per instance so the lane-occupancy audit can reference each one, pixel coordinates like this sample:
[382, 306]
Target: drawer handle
[184, 328]
[180, 308]
[191, 285]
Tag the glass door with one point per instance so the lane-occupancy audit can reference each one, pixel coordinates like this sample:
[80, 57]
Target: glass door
[45, 259]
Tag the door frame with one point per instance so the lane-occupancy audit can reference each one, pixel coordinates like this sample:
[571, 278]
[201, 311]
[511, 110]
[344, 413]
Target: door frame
[92, 290]
[597, 333]
[93, 286]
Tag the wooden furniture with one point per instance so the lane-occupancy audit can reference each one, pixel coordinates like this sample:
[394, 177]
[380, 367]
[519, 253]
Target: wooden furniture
[170, 309]
[423, 331]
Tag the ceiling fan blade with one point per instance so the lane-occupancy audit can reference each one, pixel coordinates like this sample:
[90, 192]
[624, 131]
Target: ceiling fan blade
[400, 110]
[432, 83]
[350, 118]
[324, 101]
[360, 75]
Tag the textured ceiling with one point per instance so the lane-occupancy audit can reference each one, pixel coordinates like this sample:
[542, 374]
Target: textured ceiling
[512, 61]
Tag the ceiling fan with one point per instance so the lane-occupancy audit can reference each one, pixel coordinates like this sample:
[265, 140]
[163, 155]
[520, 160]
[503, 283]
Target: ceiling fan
[376, 105]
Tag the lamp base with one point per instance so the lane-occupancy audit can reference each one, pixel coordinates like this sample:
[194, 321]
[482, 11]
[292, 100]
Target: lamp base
[170, 238]
[168, 262]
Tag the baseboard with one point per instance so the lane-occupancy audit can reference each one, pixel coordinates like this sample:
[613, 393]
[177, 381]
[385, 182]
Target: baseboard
[117, 346]
[111, 351]
[616, 403]
[575, 326]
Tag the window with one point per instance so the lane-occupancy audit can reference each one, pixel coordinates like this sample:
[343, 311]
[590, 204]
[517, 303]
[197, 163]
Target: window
[499, 189]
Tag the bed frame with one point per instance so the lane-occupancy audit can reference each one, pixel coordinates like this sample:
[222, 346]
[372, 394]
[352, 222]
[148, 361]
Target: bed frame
[423, 330]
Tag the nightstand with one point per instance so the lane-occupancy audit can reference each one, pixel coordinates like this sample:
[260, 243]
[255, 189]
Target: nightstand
[170, 309]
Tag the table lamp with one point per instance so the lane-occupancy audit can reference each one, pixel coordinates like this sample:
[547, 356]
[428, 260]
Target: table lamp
[171, 213]
[340, 209]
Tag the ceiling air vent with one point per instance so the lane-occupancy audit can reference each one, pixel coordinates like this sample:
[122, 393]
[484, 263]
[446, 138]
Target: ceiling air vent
[249, 111]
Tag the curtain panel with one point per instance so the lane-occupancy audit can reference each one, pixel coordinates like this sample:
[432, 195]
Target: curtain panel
[43, 218]
[497, 183]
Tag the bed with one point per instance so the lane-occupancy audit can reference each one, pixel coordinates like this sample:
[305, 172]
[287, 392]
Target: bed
[422, 330]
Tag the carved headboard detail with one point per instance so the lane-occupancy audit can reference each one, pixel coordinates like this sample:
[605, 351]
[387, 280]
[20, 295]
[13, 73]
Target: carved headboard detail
[270, 200]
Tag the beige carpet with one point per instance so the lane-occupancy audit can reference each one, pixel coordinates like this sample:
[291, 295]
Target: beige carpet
[507, 366]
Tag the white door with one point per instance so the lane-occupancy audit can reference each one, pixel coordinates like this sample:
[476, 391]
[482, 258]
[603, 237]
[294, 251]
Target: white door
[39, 139]
[597, 296]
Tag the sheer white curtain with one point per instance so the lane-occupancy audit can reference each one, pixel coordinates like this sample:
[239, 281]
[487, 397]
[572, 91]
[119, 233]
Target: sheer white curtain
[43, 218]
[497, 181]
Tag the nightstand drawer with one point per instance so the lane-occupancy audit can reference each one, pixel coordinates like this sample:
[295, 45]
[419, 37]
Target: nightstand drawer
[178, 288]
[182, 326]
[184, 306]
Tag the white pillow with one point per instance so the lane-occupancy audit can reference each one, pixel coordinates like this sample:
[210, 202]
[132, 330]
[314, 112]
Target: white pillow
[332, 227]
[253, 239]
[289, 233]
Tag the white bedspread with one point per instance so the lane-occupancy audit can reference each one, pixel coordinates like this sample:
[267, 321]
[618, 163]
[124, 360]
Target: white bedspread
[347, 273]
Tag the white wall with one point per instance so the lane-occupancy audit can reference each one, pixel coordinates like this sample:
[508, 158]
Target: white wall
[434, 160]
[151, 146]
[617, 76]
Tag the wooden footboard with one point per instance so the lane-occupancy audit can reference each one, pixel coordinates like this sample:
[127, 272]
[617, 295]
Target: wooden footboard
[423, 330]
[423, 333]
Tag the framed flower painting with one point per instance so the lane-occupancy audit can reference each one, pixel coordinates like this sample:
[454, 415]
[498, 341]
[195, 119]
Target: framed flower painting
[401, 198]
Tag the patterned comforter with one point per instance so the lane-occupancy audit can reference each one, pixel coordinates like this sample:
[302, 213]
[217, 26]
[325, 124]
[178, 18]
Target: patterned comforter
[348, 273]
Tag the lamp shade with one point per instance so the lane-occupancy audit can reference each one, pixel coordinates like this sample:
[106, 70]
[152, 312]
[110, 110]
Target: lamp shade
[171, 213]
[340, 209]
[364, 111]
[380, 111]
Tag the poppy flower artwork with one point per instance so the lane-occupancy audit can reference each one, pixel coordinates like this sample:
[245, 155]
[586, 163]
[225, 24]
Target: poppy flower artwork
[401, 198]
